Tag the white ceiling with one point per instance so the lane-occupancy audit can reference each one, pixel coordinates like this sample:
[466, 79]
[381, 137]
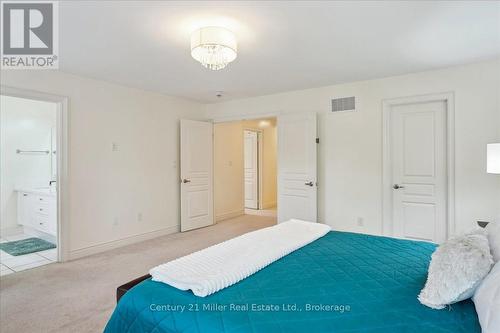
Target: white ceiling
[282, 45]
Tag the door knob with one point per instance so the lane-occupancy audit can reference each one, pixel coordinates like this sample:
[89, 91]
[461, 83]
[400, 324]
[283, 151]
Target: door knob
[309, 184]
[397, 187]
[186, 181]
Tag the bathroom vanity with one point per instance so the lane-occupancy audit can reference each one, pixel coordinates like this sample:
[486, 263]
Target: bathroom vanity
[37, 209]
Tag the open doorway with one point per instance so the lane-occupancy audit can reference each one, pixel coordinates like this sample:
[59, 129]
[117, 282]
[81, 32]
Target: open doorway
[28, 179]
[245, 168]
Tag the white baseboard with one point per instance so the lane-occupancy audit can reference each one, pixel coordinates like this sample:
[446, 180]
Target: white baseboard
[11, 231]
[87, 251]
[230, 215]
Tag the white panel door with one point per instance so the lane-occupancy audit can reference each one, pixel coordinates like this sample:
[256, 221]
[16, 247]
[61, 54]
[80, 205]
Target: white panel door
[418, 145]
[251, 169]
[297, 183]
[196, 174]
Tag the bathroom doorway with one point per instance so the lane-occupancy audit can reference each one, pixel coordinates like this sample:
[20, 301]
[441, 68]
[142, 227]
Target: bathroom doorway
[29, 175]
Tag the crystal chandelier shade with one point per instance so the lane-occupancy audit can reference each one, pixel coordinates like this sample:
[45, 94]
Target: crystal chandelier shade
[213, 47]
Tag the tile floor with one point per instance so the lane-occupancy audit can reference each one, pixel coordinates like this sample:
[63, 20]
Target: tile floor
[10, 264]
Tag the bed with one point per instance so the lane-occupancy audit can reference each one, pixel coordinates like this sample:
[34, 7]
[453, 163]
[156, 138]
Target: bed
[342, 282]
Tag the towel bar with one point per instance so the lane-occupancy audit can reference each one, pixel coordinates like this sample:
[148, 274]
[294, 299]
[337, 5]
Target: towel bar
[19, 151]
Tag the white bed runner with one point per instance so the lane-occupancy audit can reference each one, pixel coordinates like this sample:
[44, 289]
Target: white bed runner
[222, 265]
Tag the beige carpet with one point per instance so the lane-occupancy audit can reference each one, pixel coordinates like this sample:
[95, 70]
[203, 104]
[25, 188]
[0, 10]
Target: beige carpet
[79, 296]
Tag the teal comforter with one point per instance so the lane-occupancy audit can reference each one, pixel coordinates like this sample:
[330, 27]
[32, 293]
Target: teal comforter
[343, 282]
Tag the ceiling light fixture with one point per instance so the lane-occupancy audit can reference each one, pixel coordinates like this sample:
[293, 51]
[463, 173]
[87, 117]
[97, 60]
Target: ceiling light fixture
[264, 123]
[213, 47]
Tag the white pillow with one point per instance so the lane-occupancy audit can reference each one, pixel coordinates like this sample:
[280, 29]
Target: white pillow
[487, 301]
[493, 230]
[456, 269]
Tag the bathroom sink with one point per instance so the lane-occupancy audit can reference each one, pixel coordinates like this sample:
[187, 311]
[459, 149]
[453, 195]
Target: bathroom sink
[46, 189]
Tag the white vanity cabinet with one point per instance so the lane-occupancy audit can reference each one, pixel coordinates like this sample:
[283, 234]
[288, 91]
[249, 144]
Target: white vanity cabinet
[37, 210]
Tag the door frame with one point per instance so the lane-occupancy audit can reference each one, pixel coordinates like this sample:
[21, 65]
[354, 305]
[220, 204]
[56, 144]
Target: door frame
[62, 161]
[259, 164]
[387, 192]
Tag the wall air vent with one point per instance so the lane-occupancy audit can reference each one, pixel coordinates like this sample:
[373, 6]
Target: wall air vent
[344, 104]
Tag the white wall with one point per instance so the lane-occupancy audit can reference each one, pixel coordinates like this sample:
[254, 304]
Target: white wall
[108, 190]
[26, 125]
[350, 152]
